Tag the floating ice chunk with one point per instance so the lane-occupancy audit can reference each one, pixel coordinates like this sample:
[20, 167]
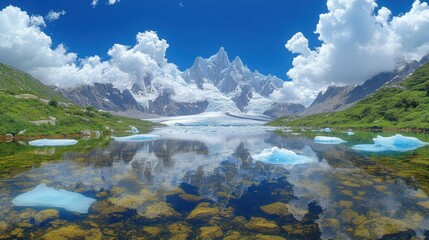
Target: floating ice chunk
[350, 133]
[281, 156]
[326, 130]
[134, 130]
[44, 196]
[397, 143]
[52, 142]
[328, 140]
[137, 138]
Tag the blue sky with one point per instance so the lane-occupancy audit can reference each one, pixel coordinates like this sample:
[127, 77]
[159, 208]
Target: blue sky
[253, 29]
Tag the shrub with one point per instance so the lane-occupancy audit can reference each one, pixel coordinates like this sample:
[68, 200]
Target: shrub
[91, 108]
[391, 116]
[53, 103]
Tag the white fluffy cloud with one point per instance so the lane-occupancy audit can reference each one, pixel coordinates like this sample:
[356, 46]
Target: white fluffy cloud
[357, 42]
[24, 45]
[94, 3]
[53, 15]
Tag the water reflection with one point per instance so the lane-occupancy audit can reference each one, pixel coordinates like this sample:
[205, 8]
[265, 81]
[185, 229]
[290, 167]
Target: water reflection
[207, 174]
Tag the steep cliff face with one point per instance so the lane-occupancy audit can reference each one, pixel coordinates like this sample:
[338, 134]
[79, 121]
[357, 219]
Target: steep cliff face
[102, 96]
[165, 106]
[340, 98]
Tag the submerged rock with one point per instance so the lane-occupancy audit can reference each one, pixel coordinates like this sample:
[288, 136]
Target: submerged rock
[277, 208]
[262, 225]
[208, 233]
[203, 211]
[152, 232]
[45, 215]
[379, 227]
[159, 210]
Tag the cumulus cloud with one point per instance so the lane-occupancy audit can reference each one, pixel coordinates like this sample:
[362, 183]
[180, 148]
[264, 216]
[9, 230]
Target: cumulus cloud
[53, 15]
[24, 45]
[358, 40]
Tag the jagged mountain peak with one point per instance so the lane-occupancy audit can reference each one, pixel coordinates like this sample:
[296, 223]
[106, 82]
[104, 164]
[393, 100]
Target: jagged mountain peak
[220, 58]
[237, 62]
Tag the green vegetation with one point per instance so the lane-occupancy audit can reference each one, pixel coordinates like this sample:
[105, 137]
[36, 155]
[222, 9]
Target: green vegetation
[46, 112]
[392, 107]
[14, 82]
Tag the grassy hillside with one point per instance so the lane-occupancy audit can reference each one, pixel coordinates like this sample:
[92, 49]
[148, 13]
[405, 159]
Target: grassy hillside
[391, 107]
[44, 115]
[14, 82]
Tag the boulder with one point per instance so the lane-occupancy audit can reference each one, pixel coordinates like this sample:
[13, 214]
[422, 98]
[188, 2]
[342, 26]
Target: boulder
[46, 215]
[262, 225]
[208, 233]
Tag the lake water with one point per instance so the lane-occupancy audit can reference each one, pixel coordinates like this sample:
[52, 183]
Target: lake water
[203, 182]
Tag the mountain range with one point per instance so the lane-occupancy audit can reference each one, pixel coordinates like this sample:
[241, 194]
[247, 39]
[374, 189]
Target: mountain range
[228, 86]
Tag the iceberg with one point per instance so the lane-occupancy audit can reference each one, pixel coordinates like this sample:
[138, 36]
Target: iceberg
[137, 138]
[134, 130]
[326, 130]
[44, 196]
[281, 156]
[397, 143]
[52, 142]
[328, 140]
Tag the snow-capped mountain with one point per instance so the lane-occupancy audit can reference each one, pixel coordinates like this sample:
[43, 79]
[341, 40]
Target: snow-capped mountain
[248, 91]
[214, 84]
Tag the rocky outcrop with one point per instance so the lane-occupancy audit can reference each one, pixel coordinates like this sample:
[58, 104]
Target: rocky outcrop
[285, 109]
[164, 105]
[102, 96]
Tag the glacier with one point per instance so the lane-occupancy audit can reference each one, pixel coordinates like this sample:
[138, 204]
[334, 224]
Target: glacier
[396, 143]
[281, 156]
[227, 119]
[328, 140]
[137, 138]
[44, 196]
[52, 142]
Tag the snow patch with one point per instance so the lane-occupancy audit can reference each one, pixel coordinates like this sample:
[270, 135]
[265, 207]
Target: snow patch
[44, 196]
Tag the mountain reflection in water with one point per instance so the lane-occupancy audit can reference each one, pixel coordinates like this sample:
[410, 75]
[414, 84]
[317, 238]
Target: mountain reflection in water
[205, 176]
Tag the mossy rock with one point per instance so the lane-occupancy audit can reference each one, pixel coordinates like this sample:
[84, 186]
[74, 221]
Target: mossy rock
[159, 210]
[189, 197]
[203, 211]
[152, 232]
[277, 208]
[262, 225]
[379, 227]
[46, 215]
[208, 233]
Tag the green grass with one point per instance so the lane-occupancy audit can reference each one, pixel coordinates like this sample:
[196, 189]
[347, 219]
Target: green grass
[392, 107]
[16, 113]
[14, 82]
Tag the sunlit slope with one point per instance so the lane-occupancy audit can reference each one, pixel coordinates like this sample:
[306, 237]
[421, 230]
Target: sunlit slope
[46, 112]
[13, 81]
[405, 105]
